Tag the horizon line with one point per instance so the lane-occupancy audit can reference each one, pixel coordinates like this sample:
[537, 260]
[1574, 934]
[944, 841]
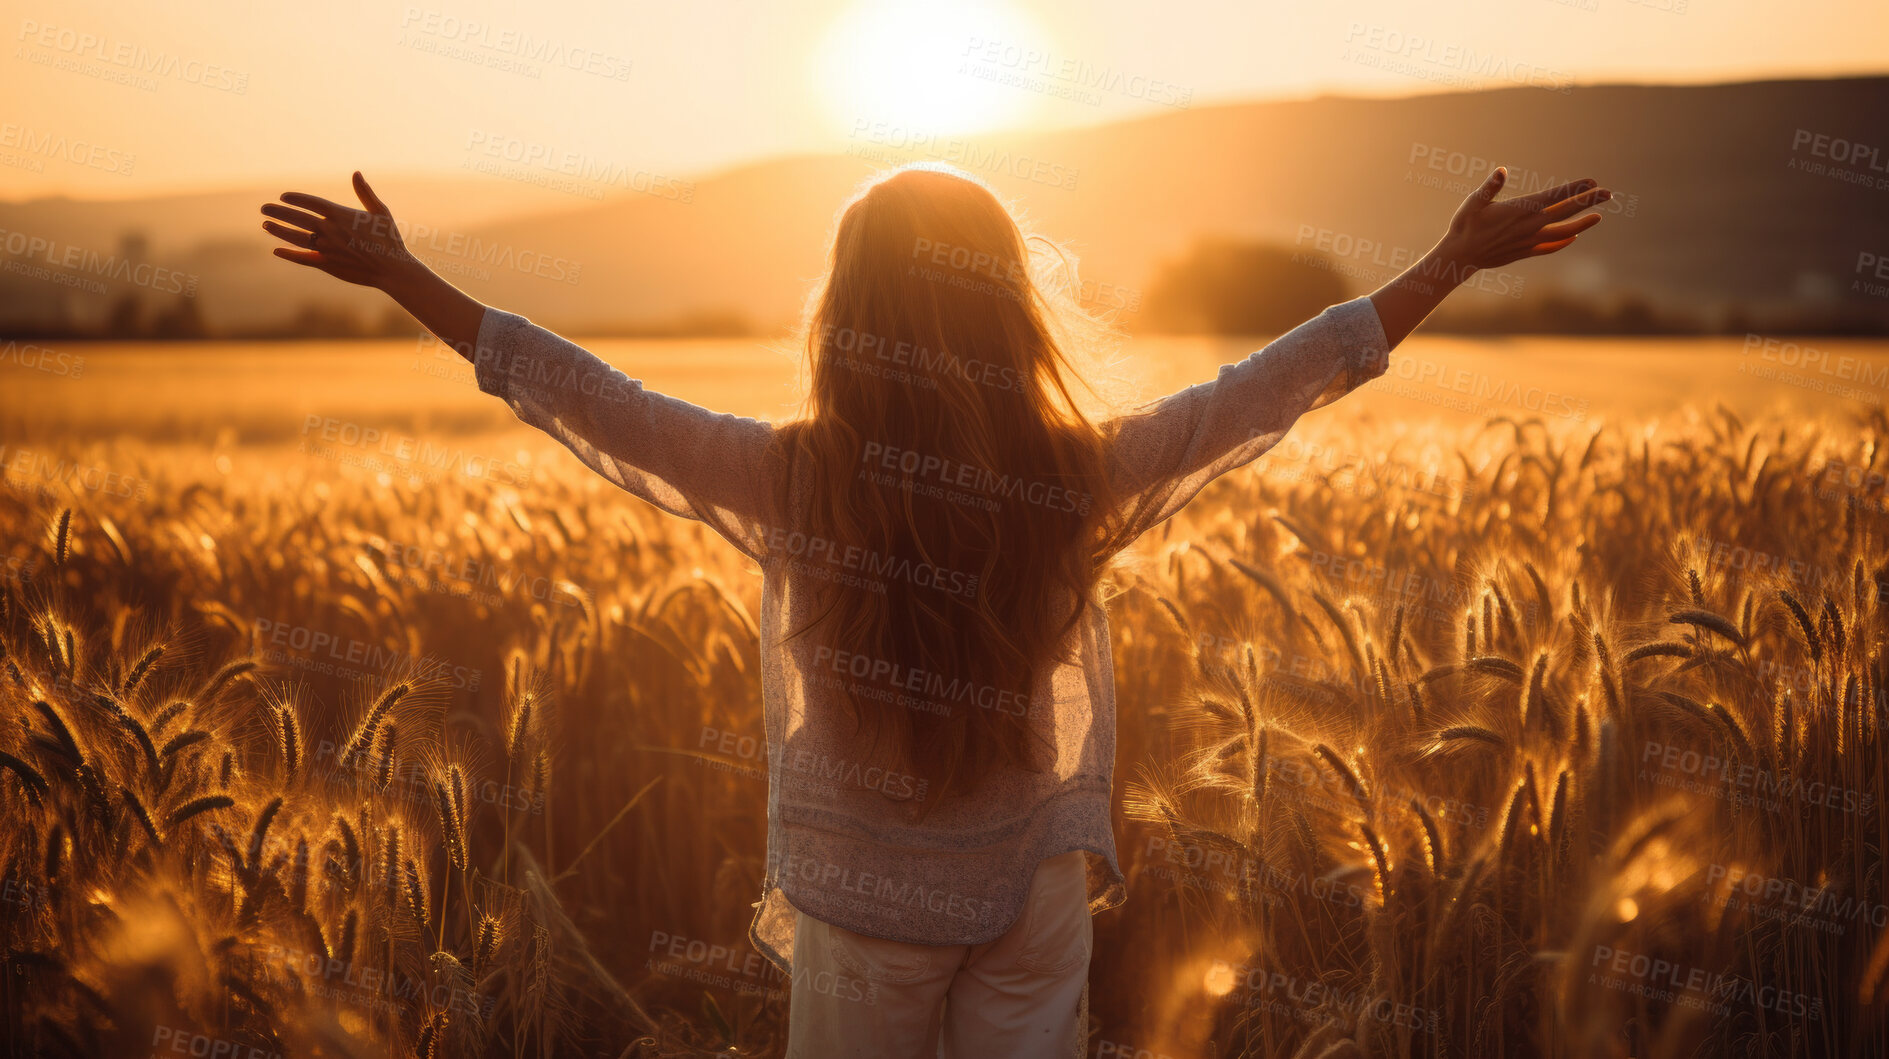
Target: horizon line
[1317, 95]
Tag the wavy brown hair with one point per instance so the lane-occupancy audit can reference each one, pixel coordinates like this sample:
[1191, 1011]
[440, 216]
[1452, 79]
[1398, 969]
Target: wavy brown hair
[942, 441]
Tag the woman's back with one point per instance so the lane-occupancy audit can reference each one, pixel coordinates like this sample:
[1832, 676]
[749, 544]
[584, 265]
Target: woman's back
[859, 839]
[937, 689]
[867, 856]
[942, 445]
[877, 848]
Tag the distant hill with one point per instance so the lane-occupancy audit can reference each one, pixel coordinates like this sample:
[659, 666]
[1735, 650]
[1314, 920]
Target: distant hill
[1727, 203]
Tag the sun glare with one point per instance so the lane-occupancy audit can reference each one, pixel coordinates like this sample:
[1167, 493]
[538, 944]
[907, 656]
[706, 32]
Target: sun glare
[897, 69]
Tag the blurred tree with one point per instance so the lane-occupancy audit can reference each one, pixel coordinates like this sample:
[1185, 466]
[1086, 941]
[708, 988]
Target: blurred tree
[184, 319]
[1633, 316]
[321, 320]
[126, 319]
[1226, 286]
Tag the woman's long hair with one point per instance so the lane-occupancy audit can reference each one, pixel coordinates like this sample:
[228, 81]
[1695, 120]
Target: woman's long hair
[955, 481]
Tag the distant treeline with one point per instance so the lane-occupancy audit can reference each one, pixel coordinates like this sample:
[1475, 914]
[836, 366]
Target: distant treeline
[1226, 286]
[132, 319]
[1220, 286]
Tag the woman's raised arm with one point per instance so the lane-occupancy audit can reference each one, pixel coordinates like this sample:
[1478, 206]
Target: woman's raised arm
[1163, 456]
[364, 247]
[681, 457]
[1483, 234]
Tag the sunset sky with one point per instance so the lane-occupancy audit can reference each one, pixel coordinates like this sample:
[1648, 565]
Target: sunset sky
[113, 100]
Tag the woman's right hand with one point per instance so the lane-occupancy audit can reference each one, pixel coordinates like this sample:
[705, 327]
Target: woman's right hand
[1488, 234]
[359, 246]
[1485, 234]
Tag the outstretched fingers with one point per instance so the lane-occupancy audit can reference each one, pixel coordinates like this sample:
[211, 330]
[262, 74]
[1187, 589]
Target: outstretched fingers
[1549, 196]
[1574, 204]
[311, 258]
[317, 204]
[1566, 229]
[368, 198]
[291, 236]
[299, 218]
[1490, 188]
[304, 230]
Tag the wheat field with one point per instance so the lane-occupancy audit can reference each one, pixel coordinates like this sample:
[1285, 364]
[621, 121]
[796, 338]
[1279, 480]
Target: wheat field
[1519, 737]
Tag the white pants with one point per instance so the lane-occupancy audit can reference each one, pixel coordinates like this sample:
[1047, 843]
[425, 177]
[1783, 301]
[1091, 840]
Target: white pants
[1024, 994]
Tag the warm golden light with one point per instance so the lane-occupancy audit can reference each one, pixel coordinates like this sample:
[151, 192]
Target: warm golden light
[1219, 980]
[677, 523]
[919, 68]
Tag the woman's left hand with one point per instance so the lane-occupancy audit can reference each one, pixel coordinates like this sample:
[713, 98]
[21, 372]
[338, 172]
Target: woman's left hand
[1485, 233]
[359, 246]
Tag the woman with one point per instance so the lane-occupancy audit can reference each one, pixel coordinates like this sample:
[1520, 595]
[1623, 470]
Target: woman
[938, 696]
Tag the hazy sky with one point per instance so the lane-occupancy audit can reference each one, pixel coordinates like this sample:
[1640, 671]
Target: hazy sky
[115, 99]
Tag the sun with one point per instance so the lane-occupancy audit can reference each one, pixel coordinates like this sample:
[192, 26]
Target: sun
[921, 66]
